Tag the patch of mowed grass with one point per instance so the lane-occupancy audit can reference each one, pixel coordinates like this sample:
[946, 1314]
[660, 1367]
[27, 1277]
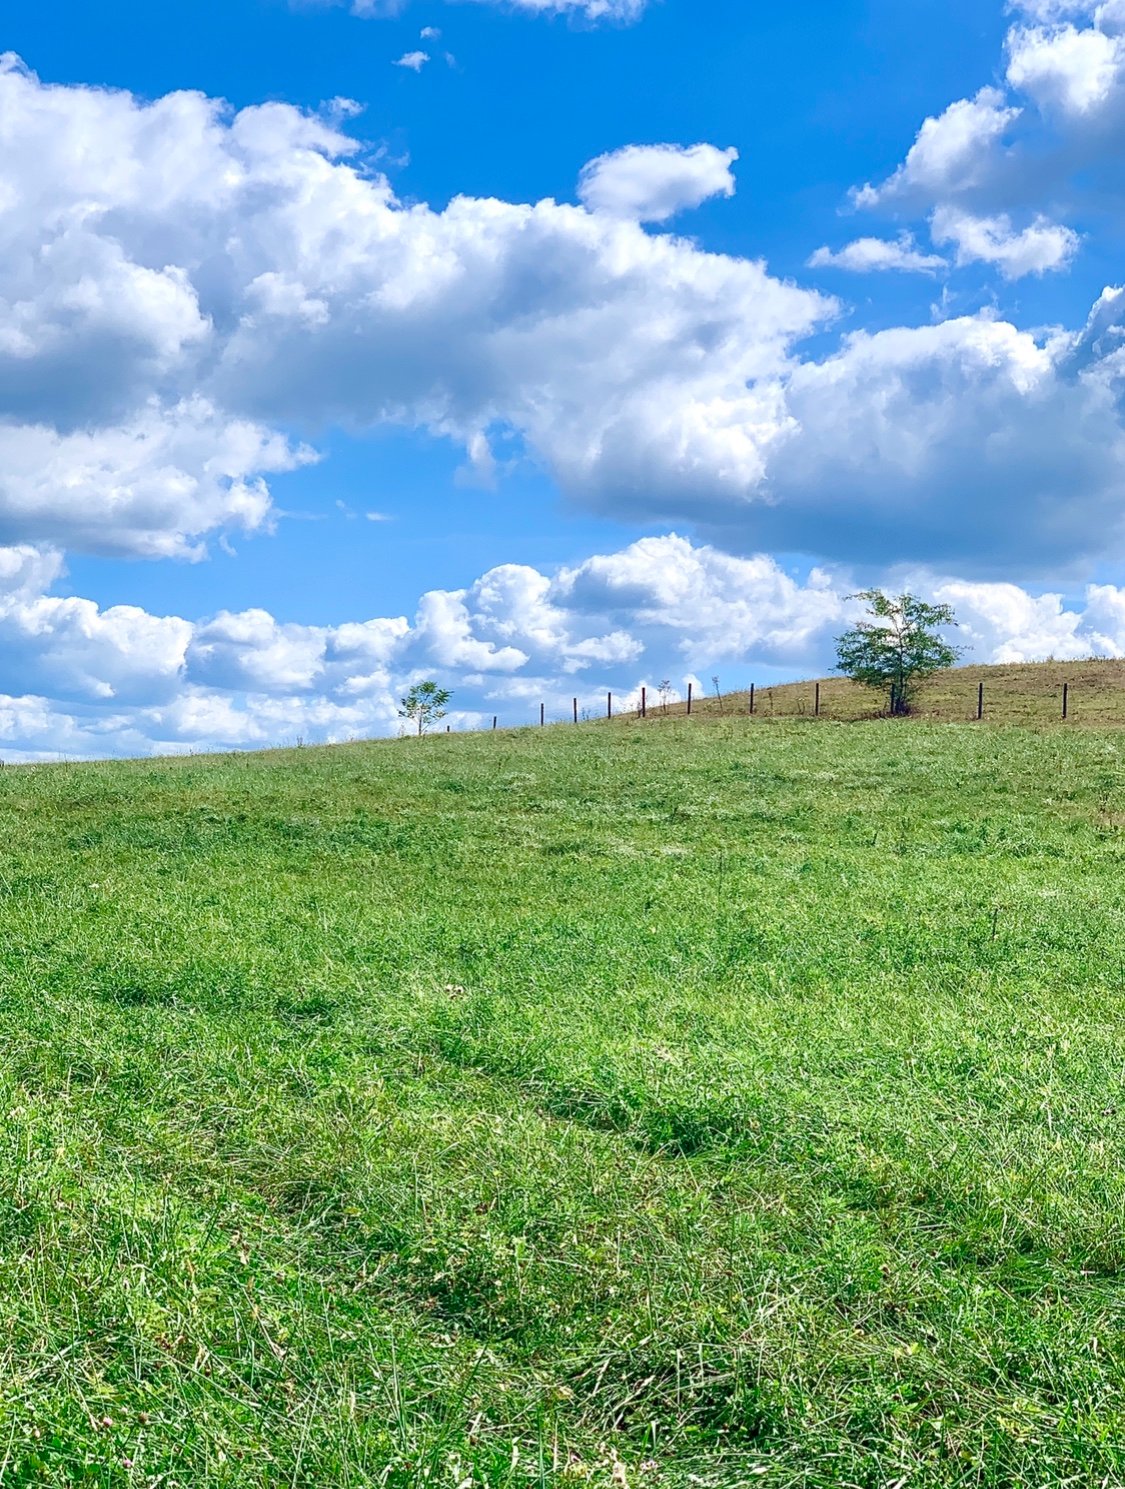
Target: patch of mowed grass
[693, 1103]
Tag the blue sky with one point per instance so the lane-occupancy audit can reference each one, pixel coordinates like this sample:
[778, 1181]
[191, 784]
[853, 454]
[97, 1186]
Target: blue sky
[303, 398]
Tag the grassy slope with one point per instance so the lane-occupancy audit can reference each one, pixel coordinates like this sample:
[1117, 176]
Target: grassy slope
[1027, 693]
[607, 1105]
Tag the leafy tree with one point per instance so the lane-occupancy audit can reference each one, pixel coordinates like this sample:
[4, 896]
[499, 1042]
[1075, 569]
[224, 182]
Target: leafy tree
[424, 705]
[898, 646]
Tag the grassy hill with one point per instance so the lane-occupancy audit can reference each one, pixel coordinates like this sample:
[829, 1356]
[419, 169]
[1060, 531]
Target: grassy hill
[1025, 693]
[697, 1104]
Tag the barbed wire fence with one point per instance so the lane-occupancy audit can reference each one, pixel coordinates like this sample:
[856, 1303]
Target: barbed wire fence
[833, 700]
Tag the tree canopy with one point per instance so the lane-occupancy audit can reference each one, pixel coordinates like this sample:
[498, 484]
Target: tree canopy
[424, 705]
[897, 646]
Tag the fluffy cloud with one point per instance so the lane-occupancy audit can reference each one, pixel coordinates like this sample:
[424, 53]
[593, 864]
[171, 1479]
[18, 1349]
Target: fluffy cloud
[982, 171]
[1056, 134]
[1055, 10]
[590, 10]
[75, 649]
[951, 152]
[1038, 249]
[175, 266]
[1066, 68]
[1003, 623]
[877, 255]
[490, 315]
[76, 680]
[968, 443]
[151, 486]
[593, 10]
[722, 607]
[183, 283]
[650, 183]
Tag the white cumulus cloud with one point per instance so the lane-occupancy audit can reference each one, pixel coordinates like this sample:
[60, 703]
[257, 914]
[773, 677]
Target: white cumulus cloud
[1049, 143]
[951, 152]
[1038, 249]
[238, 272]
[878, 255]
[243, 273]
[1064, 67]
[969, 443]
[151, 486]
[589, 10]
[77, 680]
[650, 183]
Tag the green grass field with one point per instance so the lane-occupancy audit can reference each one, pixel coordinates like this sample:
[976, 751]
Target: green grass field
[699, 1103]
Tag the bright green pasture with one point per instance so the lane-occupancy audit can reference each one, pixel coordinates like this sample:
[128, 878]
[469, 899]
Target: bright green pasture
[697, 1102]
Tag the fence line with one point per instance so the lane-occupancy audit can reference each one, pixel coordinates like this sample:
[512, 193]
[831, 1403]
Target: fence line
[815, 702]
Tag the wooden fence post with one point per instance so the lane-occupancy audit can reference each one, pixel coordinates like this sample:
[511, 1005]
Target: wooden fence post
[542, 715]
[817, 715]
[980, 701]
[751, 697]
[609, 705]
[495, 722]
[644, 703]
[576, 710]
[1066, 699]
[689, 693]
